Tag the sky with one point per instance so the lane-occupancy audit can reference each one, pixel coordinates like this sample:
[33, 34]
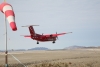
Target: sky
[82, 17]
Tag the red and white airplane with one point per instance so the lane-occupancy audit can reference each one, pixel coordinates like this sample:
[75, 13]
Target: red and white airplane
[42, 37]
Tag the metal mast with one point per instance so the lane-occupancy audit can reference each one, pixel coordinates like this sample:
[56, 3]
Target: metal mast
[6, 51]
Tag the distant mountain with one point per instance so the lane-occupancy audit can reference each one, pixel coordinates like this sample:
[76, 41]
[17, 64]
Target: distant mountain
[19, 50]
[1, 51]
[36, 48]
[39, 48]
[74, 47]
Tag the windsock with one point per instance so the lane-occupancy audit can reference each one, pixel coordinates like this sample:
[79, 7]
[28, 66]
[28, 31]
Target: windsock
[9, 14]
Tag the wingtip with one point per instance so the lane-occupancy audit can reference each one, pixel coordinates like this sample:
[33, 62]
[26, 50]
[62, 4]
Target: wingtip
[67, 33]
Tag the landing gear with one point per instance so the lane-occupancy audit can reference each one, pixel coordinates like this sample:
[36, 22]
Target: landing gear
[53, 42]
[37, 42]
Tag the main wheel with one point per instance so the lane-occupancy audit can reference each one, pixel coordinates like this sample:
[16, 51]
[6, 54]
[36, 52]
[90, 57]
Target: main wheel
[37, 42]
[53, 42]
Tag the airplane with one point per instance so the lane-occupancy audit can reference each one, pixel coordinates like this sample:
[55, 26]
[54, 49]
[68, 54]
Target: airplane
[42, 37]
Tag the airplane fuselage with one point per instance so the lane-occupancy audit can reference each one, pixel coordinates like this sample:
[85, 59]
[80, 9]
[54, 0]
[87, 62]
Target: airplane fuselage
[43, 38]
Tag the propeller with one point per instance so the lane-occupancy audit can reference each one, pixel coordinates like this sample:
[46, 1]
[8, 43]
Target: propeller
[56, 35]
[42, 33]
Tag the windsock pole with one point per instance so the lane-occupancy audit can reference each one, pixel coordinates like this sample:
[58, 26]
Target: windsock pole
[6, 52]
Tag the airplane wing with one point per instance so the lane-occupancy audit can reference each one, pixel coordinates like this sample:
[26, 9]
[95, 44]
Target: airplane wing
[54, 35]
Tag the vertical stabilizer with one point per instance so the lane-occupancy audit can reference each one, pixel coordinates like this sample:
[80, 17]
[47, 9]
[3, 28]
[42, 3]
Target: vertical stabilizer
[31, 29]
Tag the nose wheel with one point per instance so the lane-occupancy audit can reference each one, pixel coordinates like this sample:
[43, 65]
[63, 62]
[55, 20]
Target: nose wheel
[53, 42]
[37, 42]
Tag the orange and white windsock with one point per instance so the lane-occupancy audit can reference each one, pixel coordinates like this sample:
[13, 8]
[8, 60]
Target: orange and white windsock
[9, 13]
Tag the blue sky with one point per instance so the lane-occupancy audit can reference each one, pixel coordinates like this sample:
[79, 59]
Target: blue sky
[82, 17]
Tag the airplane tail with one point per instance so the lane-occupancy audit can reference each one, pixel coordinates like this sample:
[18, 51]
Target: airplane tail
[31, 29]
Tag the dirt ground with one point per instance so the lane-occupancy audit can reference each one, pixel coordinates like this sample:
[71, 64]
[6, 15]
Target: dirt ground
[75, 57]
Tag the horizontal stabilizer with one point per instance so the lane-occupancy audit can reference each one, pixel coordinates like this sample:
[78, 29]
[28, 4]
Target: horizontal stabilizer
[30, 25]
[26, 35]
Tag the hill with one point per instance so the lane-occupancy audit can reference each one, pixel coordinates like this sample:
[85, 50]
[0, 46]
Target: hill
[39, 48]
[77, 47]
[74, 47]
